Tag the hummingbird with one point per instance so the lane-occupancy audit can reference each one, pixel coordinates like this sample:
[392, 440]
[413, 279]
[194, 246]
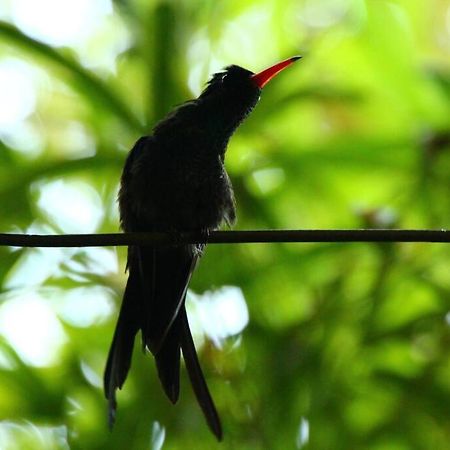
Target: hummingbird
[174, 180]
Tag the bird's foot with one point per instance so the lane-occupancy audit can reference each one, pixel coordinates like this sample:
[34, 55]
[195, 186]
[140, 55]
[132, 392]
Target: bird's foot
[204, 238]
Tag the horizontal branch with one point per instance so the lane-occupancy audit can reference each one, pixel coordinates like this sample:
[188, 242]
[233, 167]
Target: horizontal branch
[223, 237]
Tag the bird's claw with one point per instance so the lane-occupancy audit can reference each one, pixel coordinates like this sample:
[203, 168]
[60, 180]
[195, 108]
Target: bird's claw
[204, 238]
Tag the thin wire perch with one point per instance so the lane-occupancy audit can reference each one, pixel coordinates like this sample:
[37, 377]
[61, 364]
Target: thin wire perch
[223, 237]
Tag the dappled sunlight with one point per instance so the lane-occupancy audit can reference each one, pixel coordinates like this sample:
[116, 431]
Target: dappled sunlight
[83, 306]
[72, 206]
[219, 314]
[92, 261]
[22, 435]
[254, 24]
[17, 93]
[268, 180]
[325, 13]
[88, 27]
[158, 436]
[24, 138]
[21, 86]
[60, 22]
[77, 142]
[35, 266]
[303, 433]
[31, 327]
[199, 54]
[91, 376]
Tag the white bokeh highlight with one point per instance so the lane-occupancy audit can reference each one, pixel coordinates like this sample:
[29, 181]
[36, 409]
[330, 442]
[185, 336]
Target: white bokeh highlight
[303, 433]
[17, 93]
[72, 206]
[220, 314]
[31, 327]
[84, 306]
[59, 22]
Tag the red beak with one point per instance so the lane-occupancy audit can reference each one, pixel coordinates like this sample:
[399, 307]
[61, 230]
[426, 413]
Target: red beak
[262, 78]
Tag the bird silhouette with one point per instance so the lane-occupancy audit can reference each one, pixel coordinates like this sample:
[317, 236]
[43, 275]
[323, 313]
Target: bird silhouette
[175, 180]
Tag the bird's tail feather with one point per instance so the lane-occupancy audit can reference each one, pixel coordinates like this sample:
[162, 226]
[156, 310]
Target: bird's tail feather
[120, 353]
[197, 379]
[168, 362]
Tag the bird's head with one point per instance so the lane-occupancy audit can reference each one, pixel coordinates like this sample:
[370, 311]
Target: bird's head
[235, 80]
[234, 92]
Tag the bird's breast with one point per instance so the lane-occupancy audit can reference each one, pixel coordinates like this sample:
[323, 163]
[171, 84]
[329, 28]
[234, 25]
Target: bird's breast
[182, 194]
[206, 198]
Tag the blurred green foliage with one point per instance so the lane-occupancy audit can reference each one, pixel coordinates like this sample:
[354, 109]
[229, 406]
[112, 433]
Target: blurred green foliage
[347, 346]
